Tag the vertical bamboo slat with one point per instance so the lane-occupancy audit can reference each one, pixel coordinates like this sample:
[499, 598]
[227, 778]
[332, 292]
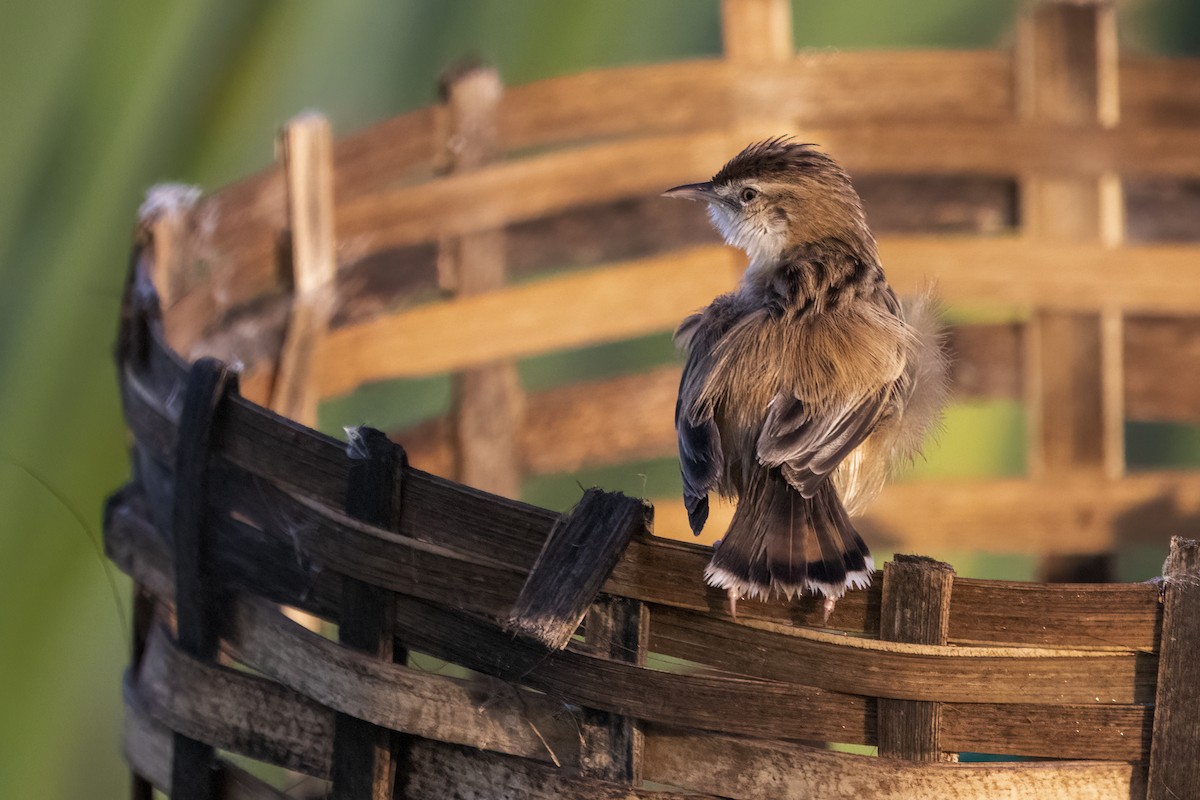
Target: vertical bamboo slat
[1174, 766]
[757, 34]
[168, 241]
[915, 610]
[306, 147]
[1067, 75]
[487, 400]
[194, 771]
[143, 615]
[756, 31]
[365, 755]
[616, 628]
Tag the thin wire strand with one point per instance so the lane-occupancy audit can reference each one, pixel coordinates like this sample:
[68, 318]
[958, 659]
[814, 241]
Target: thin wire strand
[92, 536]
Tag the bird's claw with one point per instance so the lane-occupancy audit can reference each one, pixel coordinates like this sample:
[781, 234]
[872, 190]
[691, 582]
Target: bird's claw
[827, 609]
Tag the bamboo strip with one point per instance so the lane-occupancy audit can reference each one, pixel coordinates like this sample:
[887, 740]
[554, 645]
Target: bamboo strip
[639, 297]
[1174, 771]
[306, 148]
[757, 31]
[520, 190]
[148, 748]
[487, 400]
[750, 770]
[915, 608]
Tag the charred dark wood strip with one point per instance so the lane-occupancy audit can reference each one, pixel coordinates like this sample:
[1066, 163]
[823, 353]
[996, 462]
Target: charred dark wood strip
[617, 628]
[312, 464]
[149, 749]
[439, 511]
[1126, 615]
[143, 614]
[233, 710]
[1174, 768]
[291, 723]
[731, 704]
[193, 775]
[880, 669]
[276, 557]
[140, 317]
[152, 429]
[577, 558]
[365, 755]
[487, 714]
[670, 573]
[286, 453]
[246, 557]
[276, 547]
[439, 771]
[435, 768]
[364, 552]
[140, 338]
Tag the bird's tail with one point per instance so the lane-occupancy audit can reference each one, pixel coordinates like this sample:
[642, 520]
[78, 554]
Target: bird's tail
[781, 542]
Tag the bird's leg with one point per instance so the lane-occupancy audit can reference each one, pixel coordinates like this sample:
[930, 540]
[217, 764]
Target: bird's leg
[733, 598]
[827, 606]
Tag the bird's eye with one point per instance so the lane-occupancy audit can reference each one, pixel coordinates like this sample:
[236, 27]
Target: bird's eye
[748, 194]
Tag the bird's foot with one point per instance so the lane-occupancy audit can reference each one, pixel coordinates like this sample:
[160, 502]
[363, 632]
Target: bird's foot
[827, 608]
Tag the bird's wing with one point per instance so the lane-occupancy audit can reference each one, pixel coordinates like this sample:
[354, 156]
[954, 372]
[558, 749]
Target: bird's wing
[700, 456]
[809, 444]
[803, 435]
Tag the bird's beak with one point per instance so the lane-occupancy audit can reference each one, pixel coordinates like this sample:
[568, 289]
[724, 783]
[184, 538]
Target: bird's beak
[693, 191]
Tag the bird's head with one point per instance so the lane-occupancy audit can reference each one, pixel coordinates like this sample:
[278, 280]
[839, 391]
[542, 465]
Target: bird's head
[778, 194]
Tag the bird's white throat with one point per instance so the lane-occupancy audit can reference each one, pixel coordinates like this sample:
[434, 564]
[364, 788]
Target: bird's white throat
[762, 241]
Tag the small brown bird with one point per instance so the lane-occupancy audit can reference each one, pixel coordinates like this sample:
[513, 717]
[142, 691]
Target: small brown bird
[805, 385]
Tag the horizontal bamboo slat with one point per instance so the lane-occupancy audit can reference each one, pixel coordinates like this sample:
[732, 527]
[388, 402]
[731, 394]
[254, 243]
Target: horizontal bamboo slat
[614, 420]
[622, 301]
[751, 770]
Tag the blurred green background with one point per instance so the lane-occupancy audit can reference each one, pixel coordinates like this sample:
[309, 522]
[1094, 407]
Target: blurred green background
[102, 98]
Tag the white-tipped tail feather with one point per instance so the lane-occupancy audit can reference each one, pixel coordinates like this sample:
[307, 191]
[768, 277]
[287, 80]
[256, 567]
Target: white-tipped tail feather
[724, 579]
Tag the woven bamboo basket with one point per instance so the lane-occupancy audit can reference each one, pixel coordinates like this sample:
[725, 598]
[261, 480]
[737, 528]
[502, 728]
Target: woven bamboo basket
[500, 225]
